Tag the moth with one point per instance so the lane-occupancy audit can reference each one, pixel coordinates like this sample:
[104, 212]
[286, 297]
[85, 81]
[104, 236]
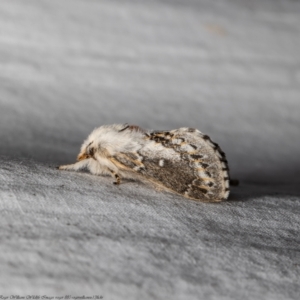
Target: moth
[184, 160]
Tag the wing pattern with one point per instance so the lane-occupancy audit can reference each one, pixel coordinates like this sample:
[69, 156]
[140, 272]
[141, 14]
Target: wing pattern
[183, 160]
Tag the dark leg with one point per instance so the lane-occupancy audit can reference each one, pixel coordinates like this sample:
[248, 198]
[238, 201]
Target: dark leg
[116, 176]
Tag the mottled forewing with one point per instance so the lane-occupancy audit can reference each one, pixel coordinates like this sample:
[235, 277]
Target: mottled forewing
[200, 170]
[183, 160]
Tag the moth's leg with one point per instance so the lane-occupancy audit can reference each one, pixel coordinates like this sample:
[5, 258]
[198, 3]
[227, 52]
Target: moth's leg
[116, 176]
[118, 179]
[75, 167]
[107, 167]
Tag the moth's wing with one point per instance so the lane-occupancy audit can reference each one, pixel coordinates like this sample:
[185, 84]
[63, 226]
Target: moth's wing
[128, 161]
[158, 164]
[194, 166]
[183, 160]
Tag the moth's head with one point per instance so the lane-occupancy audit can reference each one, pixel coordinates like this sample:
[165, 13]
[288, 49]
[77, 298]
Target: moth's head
[87, 151]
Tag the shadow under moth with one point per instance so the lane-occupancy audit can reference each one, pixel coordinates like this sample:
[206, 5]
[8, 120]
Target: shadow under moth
[184, 160]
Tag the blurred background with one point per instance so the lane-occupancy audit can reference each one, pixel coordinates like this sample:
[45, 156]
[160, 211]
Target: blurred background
[229, 68]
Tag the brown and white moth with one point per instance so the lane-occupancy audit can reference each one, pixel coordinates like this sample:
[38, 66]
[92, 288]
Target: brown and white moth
[182, 160]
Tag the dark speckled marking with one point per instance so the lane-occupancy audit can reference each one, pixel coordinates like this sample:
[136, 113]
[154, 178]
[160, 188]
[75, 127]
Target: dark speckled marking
[208, 173]
[204, 191]
[141, 169]
[196, 156]
[91, 151]
[132, 128]
[127, 126]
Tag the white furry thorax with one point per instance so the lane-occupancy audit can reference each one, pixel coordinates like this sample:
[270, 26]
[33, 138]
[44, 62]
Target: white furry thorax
[113, 140]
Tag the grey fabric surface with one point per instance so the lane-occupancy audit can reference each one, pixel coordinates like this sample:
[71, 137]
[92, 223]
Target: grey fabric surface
[228, 68]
